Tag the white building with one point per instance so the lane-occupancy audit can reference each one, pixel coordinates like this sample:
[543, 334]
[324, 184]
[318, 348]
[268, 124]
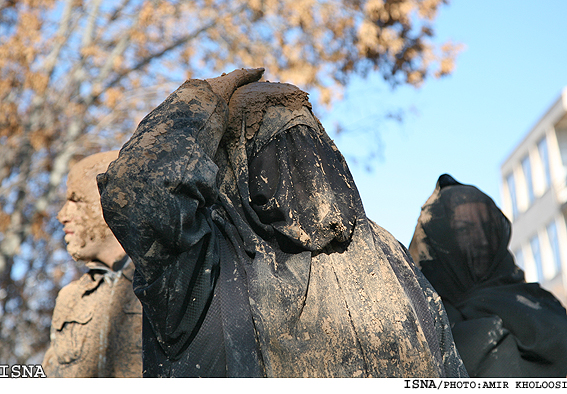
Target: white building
[534, 198]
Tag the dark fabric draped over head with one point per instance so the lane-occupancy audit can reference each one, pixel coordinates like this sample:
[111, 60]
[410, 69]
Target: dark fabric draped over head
[291, 183]
[502, 326]
[467, 238]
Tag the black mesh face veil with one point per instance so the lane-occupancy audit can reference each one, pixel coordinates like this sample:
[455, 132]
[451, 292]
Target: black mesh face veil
[476, 238]
[297, 186]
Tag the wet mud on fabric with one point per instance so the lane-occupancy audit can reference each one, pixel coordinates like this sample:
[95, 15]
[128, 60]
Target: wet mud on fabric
[196, 202]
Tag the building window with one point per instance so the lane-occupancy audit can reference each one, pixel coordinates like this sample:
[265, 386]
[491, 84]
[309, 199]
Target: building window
[554, 243]
[536, 254]
[544, 156]
[527, 168]
[512, 190]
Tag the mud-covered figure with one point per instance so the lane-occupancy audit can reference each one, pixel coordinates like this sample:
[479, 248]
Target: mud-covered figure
[96, 330]
[253, 254]
[502, 326]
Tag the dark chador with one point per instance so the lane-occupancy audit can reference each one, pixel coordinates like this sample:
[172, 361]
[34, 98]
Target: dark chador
[502, 326]
[253, 254]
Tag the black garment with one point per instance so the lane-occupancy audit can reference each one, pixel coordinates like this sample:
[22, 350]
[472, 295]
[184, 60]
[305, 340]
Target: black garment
[262, 262]
[502, 326]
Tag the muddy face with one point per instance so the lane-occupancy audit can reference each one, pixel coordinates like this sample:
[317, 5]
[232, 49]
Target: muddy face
[86, 233]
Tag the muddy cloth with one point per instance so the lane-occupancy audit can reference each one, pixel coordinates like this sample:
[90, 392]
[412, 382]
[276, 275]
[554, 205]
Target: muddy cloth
[96, 330]
[258, 260]
[502, 326]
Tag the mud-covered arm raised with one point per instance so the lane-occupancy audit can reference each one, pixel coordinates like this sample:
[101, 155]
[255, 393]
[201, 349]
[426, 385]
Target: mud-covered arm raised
[164, 176]
[155, 198]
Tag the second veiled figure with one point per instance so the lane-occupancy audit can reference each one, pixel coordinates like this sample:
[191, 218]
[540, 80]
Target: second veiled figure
[502, 326]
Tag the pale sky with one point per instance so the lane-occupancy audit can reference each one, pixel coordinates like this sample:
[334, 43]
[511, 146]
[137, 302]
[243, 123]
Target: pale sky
[512, 69]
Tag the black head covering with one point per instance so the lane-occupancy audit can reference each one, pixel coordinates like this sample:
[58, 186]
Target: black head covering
[502, 326]
[294, 186]
[462, 241]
